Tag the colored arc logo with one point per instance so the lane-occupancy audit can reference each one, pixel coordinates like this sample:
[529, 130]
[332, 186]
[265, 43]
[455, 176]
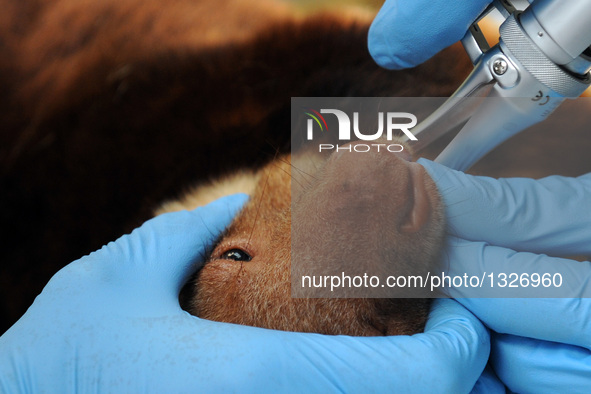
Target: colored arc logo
[317, 117]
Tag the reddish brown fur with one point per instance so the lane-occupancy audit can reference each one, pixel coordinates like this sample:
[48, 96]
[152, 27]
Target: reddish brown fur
[258, 292]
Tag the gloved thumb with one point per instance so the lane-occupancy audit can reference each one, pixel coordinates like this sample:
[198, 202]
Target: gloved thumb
[406, 33]
[154, 261]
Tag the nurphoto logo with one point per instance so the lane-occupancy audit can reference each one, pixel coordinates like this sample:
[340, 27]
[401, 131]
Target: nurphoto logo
[394, 122]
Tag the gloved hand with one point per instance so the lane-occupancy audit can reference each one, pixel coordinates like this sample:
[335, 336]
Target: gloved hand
[111, 322]
[406, 33]
[538, 344]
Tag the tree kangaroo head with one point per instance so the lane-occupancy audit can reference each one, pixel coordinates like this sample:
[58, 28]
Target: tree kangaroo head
[377, 212]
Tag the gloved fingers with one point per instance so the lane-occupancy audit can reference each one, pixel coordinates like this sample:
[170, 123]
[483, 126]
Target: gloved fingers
[181, 353]
[527, 365]
[155, 260]
[406, 33]
[454, 347]
[517, 287]
[209, 356]
[551, 215]
[448, 357]
[551, 319]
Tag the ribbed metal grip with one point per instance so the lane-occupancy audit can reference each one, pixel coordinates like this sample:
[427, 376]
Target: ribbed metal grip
[533, 60]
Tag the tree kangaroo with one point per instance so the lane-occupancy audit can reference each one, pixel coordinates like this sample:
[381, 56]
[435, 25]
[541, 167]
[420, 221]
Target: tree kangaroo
[111, 107]
[247, 278]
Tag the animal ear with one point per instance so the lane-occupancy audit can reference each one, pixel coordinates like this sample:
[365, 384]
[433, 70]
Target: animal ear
[200, 195]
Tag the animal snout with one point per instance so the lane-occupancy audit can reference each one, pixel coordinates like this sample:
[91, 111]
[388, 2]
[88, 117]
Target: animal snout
[378, 182]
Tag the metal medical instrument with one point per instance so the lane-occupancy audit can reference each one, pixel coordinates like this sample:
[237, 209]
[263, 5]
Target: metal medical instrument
[542, 58]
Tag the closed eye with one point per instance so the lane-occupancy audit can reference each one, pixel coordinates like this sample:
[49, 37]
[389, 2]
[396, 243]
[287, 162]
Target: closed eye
[236, 255]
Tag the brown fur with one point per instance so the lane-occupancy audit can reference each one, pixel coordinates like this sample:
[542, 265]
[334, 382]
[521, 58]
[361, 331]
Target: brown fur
[258, 292]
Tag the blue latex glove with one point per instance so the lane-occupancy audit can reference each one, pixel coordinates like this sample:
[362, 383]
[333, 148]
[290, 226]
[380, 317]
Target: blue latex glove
[406, 33]
[539, 344]
[111, 322]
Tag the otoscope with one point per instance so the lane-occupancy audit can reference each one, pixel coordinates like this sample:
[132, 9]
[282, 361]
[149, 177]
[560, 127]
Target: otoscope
[542, 58]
